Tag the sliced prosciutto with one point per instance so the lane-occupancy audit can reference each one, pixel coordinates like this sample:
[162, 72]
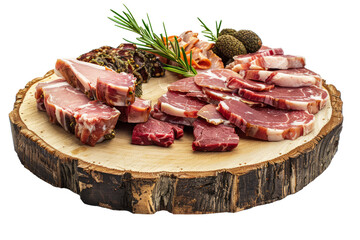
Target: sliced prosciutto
[213, 138]
[267, 123]
[137, 112]
[185, 85]
[218, 96]
[211, 115]
[215, 79]
[179, 105]
[155, 132]
[91, 121]
[312, 98]
[296, 77]
[98, 82]
[158, 114]
[236, 83]
[271, 62]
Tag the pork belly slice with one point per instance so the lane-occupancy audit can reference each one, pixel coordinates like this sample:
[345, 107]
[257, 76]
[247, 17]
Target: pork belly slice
[263, 51]
[159, 115]
[296, 77]
[267, 123]
[271, 62]
[155, 132]
[90, 121]
[211, 115]
[179, 105]
[213, 138]
[137, 112]
[185, 85]
[236, 83]
[311, 98]
[98, 82]
[215, 79]
[218, 96]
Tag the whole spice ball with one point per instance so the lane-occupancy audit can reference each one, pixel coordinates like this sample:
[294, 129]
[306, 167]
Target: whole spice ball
[251, 40]
[229, 46]
[227, 31]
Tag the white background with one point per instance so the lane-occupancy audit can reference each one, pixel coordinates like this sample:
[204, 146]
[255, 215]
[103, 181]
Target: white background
[35, 33]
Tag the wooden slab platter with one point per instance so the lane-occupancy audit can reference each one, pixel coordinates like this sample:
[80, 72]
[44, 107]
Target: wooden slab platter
[146, 179]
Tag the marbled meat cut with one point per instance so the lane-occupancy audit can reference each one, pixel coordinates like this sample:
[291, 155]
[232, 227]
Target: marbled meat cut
[98, 82]
[211, 115]
[267, 123]
[236, 83]
[137, 112]
[312, 98]
[185, 85]
[91, 121]
[215, 79]
[271, 62]
[179, 105]
[296, 77]
[159, 115]
[213, 138]
[155, 132]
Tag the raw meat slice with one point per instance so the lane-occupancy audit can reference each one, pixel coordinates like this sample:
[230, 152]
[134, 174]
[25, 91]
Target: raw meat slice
[91, 121]
[296, 77]
[185, 85]
[263, 51]
[135, 113]
[158, 114]
[155, 132]
[211, 115]
[236, 83]
[218, 96]
[267, 123]
[98, 82]
[179, 105]
[215, 79]
[312, 98]
[271, 62]
[213, 138]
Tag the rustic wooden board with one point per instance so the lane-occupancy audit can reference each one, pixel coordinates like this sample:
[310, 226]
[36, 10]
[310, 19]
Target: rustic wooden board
[146, 179]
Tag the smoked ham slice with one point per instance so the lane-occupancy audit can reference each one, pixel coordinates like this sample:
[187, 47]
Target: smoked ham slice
[218, 96]
[297, 77]
[98, 82]
[311, 99]
[271, 62]
[236, 83]
[213, 138]
[215, 79]
[158, 114]
[155, 132]
[185, 85]
[211, 115]
[267, 123]
[179, 105]
[91, 121]
[137, 112]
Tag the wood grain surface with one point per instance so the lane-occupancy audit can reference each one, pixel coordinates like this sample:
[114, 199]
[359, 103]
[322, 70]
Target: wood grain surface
[146, 179]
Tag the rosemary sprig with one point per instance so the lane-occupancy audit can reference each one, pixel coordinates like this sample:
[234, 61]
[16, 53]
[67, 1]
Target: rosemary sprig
[208, 33]
[151, 42]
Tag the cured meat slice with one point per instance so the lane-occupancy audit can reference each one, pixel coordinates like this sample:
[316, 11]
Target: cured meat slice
[211, 115]
[137, 112]
[312, 98]
[185, 85]
[218, 96]
[155, 132]
[236, 83]
[158, 114]
[215, 79]
[179, 105]
[297, 77]
[98, 82]
[91, 121]
[267, 123]
[271, 62]
[213, 138]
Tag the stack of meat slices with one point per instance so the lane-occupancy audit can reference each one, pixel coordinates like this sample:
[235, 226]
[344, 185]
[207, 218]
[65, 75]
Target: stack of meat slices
[89, 99]
[272, 97]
